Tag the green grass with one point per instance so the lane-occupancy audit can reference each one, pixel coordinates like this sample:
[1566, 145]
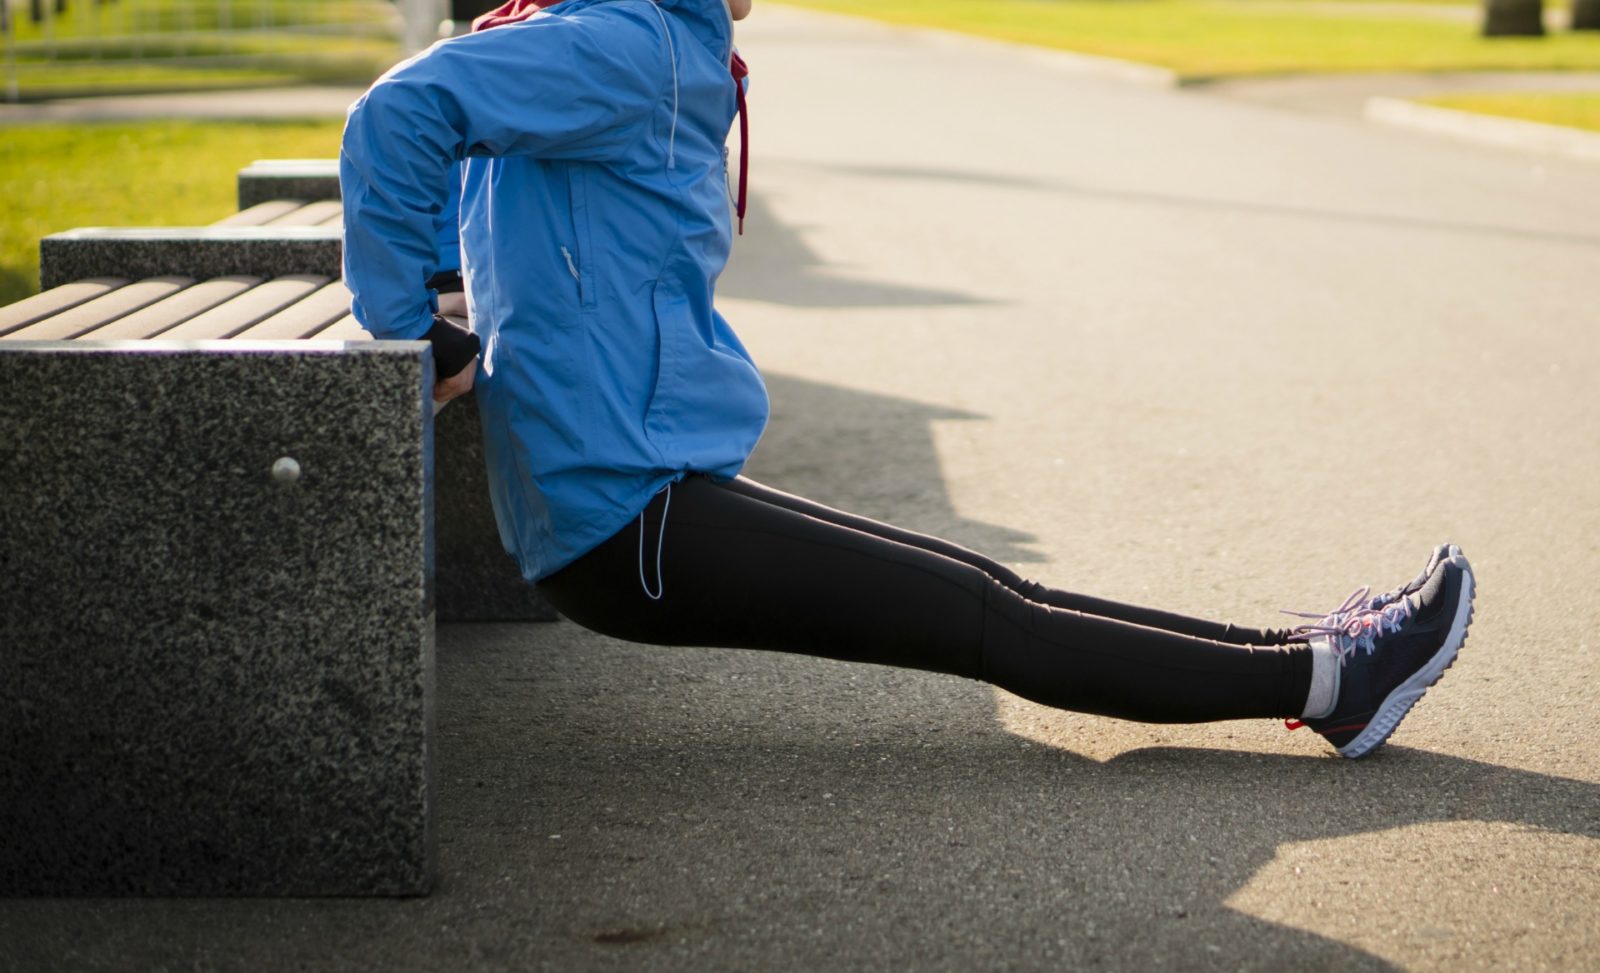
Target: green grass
[169, 173]
[1219, 38]
[1574, 109]
[85, 19]
[351, 61]
[156, 45]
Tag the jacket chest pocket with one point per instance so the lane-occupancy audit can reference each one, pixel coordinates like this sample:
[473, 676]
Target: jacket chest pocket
[579, 254]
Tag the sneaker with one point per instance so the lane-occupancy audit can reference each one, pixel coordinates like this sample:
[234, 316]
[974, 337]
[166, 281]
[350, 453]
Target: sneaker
[1390, 655]
[1415, 584]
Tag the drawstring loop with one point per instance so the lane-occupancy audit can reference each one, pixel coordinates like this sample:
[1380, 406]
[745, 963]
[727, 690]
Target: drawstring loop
[661, 543]
[740, 72]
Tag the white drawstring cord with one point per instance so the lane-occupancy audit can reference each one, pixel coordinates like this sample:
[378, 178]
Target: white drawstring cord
[661, 543]
[672, 55]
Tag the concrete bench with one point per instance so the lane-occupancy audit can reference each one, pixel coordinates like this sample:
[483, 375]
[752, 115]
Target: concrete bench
[217, 673]
[269, 273]
[218, 542]
[309, 180]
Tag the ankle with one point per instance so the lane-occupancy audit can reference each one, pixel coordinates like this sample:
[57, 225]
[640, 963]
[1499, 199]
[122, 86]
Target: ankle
[1323, 693]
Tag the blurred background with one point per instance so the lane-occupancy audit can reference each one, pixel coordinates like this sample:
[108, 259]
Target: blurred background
[64, 48]
[78, 149]
[57, 48]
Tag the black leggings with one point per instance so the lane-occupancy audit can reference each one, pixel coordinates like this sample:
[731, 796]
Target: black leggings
[746, 566]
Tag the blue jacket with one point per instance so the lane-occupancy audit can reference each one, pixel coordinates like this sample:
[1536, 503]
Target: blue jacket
[593, 221]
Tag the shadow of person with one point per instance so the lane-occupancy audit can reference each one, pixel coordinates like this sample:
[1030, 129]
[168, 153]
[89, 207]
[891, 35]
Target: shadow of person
[873, 455]
[778, 266]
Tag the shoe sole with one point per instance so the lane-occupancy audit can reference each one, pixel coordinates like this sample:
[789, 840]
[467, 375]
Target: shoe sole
[1398, 703]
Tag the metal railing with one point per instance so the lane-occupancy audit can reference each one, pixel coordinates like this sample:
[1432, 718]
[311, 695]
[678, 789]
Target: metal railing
[57, 47]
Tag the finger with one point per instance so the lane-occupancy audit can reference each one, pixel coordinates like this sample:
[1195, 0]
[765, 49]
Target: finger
[456, 385]
[445, 391]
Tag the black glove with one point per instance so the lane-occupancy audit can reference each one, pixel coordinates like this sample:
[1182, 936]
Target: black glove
[454, 347]
[447, 282]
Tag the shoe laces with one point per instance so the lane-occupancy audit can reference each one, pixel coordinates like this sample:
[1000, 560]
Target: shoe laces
[1377, 602]
[1356, 624]
[1393, 595]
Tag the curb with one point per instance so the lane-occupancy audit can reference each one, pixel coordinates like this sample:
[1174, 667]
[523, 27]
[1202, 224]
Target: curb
[1513, 133]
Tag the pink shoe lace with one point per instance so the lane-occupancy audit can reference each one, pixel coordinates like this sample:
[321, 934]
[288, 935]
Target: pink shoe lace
[1356, 624]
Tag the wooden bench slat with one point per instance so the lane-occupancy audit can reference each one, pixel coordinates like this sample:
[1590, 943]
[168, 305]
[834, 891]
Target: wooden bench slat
[102, 310]
[344, 329]
[320, 213]
[54, 301]
[304, 318]
[262, 213]
[255, 305]
[158, 317]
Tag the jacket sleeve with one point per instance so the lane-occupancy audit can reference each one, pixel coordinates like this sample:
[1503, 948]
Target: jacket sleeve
[447, 227]
[575, 87]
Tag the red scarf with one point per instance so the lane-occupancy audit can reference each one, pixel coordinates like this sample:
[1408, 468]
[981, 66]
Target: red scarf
[515, 11]
[510, 13]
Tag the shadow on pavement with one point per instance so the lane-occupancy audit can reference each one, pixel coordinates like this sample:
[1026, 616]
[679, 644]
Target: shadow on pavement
[872, 455]
[937, 174]
[609, 805]
[776, 265]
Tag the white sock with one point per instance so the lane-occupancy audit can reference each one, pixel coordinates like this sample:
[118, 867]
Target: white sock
[1324, 680]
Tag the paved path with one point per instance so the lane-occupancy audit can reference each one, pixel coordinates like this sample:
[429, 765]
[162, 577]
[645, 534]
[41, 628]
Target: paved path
[1161, 346]
[250, 103]
[1347, 94]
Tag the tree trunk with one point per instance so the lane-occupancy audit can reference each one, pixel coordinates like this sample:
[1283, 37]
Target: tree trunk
[1513, 18]
[1586, 14]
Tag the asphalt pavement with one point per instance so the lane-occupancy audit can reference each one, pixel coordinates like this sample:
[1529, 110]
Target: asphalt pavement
[1151, 344]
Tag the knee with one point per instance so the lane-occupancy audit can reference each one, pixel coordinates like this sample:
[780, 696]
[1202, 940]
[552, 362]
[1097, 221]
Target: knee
[603, 608]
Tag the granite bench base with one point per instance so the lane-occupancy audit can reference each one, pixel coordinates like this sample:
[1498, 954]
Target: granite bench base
[305, 179]
[477, 580]
[216, 619]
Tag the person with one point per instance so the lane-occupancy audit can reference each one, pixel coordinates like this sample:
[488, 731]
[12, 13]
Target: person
[568, 156]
